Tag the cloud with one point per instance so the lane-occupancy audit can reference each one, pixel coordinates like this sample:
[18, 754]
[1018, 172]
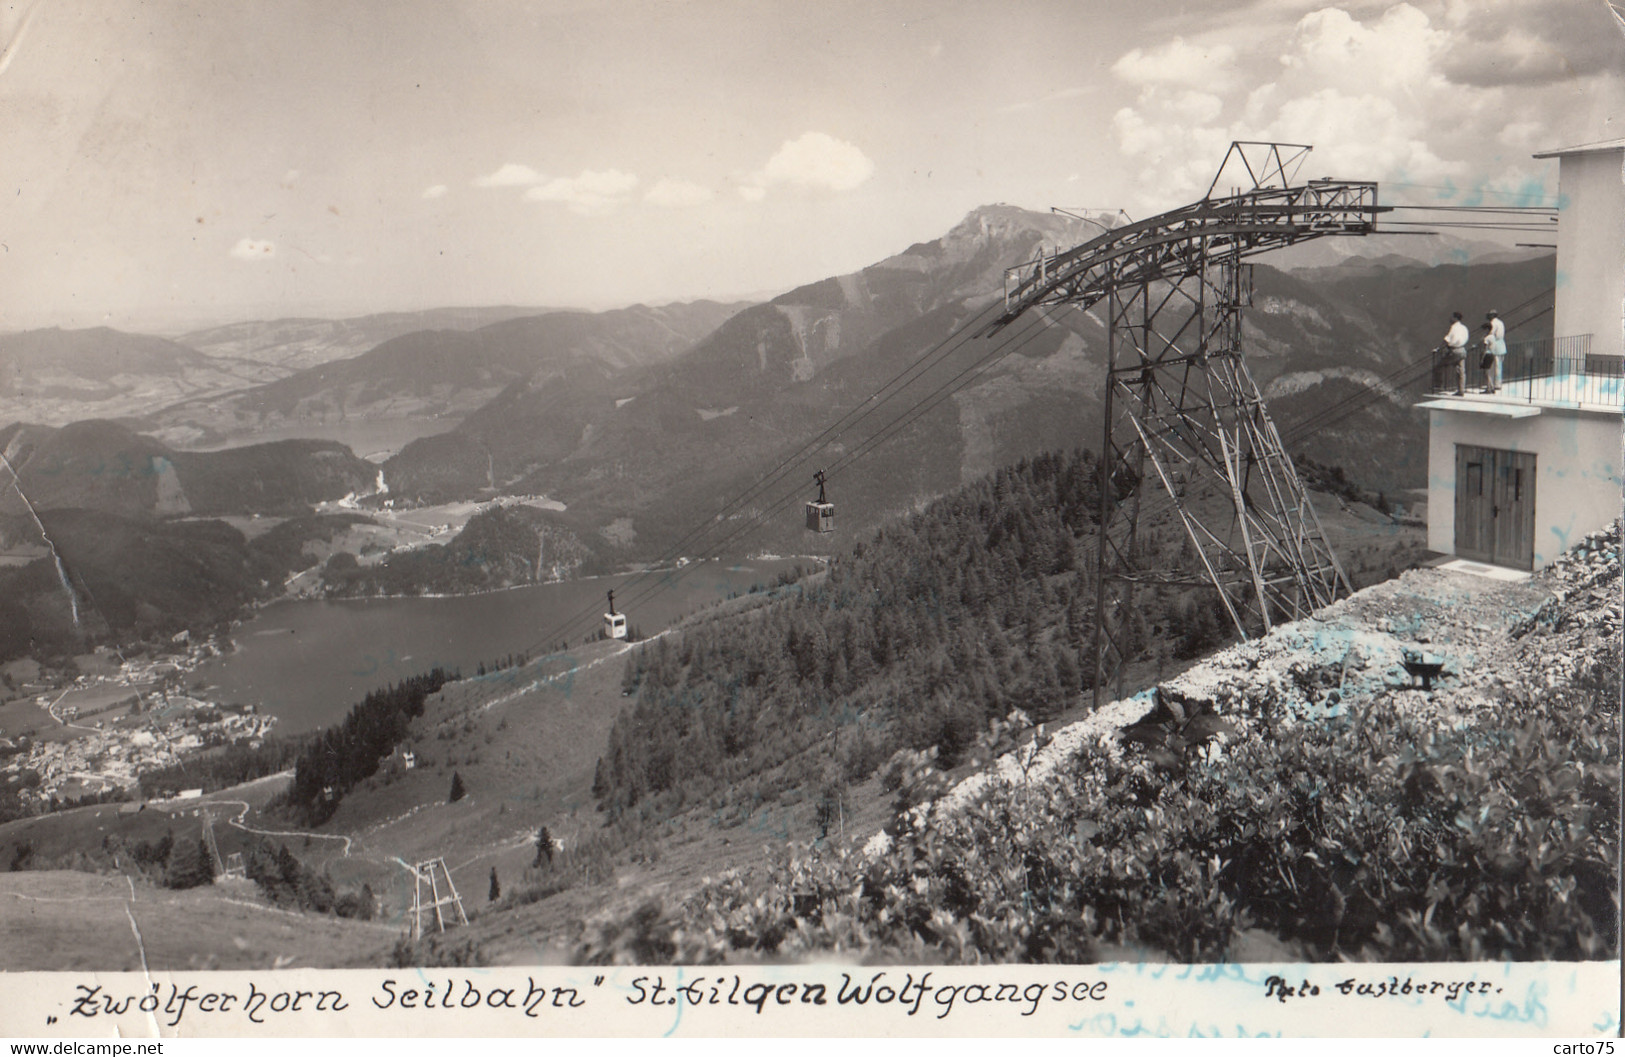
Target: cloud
[677, 193]
[1176, 62]
[1525, 42]
[1177, 159]
[1198, 108]
[818, 160]
[1397, 51]
[1419, 95]
[510, 175]
[1374, 136]
[437, 191]
[253, 249]
[1053, 97]
[814, 160]
[1523, 136]
[593, 191]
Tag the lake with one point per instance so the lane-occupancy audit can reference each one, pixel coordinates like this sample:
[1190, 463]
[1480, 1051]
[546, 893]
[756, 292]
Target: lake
[308, 662]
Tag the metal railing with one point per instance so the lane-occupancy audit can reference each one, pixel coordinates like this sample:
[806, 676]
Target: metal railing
[1561, 370]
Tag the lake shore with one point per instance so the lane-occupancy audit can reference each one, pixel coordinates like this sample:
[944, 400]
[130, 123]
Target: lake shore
[307, 661]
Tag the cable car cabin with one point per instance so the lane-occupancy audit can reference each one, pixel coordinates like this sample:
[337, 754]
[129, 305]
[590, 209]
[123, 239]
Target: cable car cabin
[614, 623]
[820, 517]
[820, 512]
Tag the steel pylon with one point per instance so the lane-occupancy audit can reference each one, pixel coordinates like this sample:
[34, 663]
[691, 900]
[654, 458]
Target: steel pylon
[1181, 408]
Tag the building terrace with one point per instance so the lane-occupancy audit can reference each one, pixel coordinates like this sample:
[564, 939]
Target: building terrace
[1558, 373]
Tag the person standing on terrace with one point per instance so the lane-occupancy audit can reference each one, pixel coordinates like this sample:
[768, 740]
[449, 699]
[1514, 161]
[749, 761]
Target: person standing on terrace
[1455, 348]
[1486, 364]
[1497, 344]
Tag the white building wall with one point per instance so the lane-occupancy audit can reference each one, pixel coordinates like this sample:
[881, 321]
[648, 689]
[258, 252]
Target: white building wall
[1578, 485]
[1591, 249]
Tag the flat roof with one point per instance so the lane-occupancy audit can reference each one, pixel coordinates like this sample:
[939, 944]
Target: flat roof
[1483, 407]
[1600, 147]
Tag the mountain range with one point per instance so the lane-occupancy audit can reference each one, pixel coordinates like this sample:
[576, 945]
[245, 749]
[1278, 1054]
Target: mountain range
[105, 466]
[218, 387]
[437, 376]
[642, 420]
[658, 443]
[61, 376]
[293, 344]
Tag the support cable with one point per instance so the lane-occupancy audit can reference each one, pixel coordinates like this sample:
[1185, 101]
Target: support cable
[955, 341]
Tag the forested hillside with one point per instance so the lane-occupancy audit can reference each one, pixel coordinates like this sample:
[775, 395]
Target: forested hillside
[96, 465]
[976, 606]
[344, 754]
[134, 578]
[499, 547]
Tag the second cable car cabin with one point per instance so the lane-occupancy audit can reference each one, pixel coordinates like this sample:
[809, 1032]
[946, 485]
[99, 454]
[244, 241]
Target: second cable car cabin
[614, 623]
[821, 512]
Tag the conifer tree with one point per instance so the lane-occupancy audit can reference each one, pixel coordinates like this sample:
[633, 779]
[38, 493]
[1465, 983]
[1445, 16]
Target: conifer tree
[458, 791]
[189, 865]
[496, 887]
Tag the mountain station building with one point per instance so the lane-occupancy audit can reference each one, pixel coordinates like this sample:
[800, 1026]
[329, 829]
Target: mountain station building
[1517, 476]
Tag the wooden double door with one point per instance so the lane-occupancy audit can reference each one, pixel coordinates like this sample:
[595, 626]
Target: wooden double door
[1495, 506]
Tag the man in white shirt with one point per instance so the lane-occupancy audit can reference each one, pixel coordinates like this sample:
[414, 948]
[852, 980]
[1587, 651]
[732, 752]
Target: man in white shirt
[1455, 346]
[1497, 345]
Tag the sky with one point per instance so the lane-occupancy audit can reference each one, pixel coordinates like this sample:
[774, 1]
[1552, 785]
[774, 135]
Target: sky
[168, 163]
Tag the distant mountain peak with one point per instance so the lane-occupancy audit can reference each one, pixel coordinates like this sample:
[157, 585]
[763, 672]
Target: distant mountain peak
[1003, 222]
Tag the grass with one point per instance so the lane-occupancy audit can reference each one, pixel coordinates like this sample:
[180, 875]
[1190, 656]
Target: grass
[526, 757]
[64, 920]
[23, 716]
[59, 836]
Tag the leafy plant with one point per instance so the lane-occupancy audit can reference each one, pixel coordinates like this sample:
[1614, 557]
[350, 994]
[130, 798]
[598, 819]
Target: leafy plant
[1386, 834]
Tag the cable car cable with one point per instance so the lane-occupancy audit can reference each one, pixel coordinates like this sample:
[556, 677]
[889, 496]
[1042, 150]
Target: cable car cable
[922, 407]
[795, 493]
[1017, 340]
[1013, 339]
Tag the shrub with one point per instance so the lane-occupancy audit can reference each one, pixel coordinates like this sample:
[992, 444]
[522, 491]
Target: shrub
[435, 951]
[189, 865]
[1389, 835]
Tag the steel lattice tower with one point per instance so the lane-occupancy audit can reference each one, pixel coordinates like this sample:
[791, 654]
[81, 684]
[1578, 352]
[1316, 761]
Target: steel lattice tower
[1181, 405]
